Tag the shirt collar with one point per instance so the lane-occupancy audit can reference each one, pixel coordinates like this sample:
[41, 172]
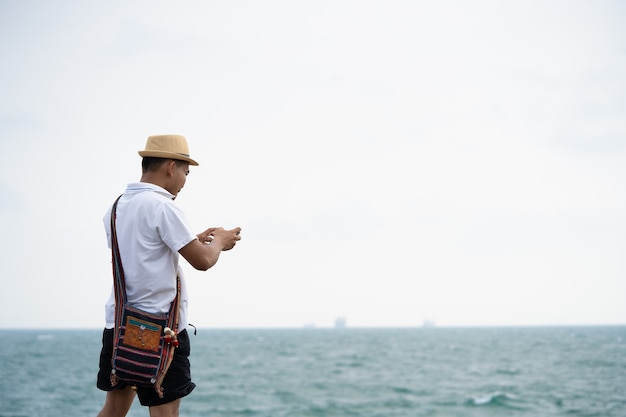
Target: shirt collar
[137, 187]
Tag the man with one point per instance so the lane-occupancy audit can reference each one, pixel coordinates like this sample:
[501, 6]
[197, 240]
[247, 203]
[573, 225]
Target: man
[151, 232]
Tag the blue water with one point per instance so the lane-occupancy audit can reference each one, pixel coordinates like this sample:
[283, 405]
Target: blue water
[464, 372]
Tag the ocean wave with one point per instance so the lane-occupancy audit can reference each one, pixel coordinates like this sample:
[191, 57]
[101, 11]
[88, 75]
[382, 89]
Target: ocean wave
[495, 399]
[508, 371]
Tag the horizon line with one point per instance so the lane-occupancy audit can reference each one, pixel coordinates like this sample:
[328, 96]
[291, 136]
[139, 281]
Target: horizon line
[347, 327]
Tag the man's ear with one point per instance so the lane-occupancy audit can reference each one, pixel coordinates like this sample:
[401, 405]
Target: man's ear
[170, 165]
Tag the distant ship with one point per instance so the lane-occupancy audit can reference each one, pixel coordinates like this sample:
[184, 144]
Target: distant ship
[428, 323]
[340, 323]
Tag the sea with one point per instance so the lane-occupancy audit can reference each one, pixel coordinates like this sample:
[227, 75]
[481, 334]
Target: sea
[351, 372]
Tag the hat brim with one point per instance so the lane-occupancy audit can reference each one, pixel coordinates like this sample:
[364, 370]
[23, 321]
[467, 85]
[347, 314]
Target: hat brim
[168, 155]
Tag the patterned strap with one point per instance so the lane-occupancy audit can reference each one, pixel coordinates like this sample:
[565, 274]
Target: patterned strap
[119, 285]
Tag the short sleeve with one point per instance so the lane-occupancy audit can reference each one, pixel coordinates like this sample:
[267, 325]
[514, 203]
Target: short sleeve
[173, 227]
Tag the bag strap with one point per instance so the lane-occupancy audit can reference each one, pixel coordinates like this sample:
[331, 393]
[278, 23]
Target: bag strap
[119, 283]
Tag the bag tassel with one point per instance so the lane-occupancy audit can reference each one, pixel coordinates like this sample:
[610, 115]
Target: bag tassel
[114, 379]
[172, 343]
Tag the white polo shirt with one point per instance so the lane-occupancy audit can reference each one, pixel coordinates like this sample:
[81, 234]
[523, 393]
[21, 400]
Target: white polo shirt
[151, 230]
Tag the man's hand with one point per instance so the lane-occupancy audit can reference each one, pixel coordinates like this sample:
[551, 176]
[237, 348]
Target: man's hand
[228, 238]
[207, 235]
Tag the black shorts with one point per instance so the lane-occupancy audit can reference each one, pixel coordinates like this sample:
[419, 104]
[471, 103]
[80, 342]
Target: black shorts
[176, 384]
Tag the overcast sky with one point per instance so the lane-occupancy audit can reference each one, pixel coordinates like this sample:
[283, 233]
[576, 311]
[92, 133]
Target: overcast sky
[388, 161]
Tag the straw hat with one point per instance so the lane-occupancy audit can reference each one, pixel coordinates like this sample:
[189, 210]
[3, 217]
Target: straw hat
[169, 147]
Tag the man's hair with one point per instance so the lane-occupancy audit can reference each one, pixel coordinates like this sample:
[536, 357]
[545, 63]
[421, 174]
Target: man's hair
[150, 163]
